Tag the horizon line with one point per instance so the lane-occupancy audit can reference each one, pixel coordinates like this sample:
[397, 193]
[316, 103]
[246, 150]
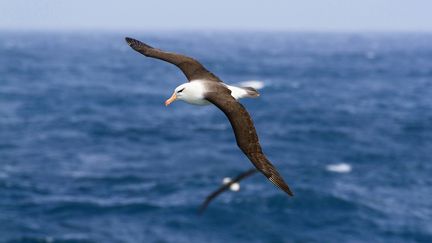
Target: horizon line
[216, 30]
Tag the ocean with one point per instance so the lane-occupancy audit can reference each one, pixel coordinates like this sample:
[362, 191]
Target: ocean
[89, 152]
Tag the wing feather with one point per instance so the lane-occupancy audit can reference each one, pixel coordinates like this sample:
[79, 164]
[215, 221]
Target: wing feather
[246, 136]
[190, 67]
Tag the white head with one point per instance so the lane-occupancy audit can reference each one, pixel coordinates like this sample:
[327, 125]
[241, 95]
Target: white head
[192, 92]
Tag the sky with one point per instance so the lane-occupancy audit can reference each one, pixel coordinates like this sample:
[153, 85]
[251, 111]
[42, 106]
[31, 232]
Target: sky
[250, 15]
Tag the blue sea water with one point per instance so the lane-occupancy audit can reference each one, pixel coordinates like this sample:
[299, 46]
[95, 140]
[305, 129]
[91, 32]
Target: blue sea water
[89, 153]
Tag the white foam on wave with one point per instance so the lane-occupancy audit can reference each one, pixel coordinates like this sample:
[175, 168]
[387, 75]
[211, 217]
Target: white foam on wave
[339, 168]
[252, 83]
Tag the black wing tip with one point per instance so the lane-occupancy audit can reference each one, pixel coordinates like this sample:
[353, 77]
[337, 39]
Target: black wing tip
[282, 185]
[286, 189]
[202, 208]
[290, 193]
[135, 44]
[131, 41]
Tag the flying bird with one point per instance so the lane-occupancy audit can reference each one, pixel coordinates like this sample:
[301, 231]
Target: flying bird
[225, 187]
[205, 88]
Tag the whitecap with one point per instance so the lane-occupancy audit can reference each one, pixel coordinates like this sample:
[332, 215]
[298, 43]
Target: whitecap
[252, 83]
[339, 168]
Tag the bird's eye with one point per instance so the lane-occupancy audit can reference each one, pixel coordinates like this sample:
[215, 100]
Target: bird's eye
[180, 90]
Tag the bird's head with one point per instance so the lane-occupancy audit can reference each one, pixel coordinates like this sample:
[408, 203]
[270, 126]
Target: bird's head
[179, 93]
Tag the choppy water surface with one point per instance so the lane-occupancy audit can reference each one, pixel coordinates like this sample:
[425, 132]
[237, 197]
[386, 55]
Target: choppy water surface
[89, 153]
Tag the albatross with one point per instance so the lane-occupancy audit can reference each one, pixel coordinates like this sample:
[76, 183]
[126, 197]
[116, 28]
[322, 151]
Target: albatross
[225, 187]
[205, 88]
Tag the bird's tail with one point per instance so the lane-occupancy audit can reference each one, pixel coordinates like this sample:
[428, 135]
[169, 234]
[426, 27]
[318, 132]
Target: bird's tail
[251, 92]
[243, 92]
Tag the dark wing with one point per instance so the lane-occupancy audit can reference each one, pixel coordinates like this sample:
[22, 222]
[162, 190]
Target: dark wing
[225, 187]
[246, 136]
[191, 68]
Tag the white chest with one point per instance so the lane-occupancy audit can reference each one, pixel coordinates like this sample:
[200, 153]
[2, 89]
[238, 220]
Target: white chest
[194, 94]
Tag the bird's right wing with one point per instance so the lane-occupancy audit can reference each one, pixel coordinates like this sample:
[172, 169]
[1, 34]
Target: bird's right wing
[246, 136]
[190, 67]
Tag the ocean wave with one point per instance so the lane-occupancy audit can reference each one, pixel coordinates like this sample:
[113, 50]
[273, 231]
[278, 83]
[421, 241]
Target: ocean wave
[339, 168]
[252, 83]
[90, 205]
[53, 239]
[88, 146]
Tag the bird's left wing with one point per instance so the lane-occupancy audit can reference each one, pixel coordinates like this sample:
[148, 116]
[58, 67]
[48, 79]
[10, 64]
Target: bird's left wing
[190, 67]
[246, 136]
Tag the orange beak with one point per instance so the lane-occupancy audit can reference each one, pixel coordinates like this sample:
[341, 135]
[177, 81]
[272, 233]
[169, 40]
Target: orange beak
[171, 99]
